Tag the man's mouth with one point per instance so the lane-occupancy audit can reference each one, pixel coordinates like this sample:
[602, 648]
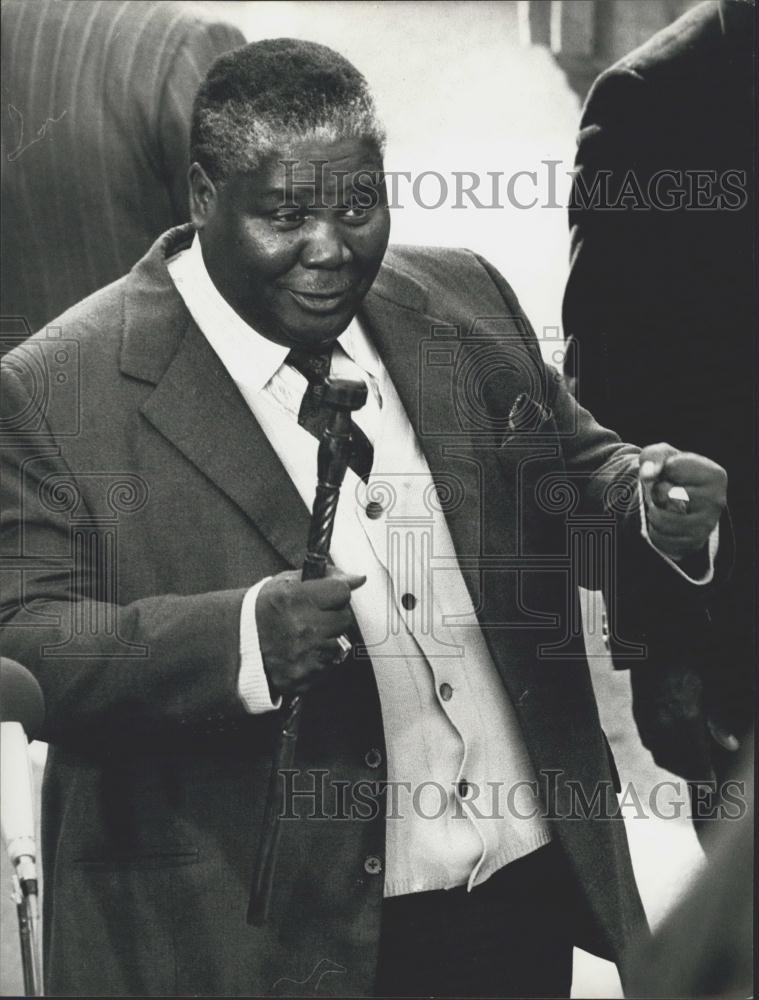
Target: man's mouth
[321, 301]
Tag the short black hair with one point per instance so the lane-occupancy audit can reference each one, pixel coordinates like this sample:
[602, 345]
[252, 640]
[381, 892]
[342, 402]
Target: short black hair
[279, 89]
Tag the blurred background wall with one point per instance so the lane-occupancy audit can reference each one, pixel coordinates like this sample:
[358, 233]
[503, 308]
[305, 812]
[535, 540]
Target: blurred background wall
[586, 36]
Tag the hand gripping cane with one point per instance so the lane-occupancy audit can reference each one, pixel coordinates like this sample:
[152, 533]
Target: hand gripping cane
[341, 396]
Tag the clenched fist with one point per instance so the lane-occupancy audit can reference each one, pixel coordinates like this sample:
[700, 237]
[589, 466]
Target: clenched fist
[684, 531]
[298, 625]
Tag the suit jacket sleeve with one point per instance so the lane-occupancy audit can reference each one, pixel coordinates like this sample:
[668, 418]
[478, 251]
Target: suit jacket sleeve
[647, 601]
[184, 666]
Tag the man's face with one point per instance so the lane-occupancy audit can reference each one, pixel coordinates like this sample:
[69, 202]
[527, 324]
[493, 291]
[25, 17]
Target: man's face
[290, 245]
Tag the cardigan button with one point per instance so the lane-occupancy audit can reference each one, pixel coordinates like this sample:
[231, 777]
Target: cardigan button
[373, 758]
[374, 510]
[408, 601]
[372, 865]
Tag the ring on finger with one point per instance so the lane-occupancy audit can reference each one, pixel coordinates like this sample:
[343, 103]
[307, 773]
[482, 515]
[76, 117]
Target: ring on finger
[678, 500]
[344, 650]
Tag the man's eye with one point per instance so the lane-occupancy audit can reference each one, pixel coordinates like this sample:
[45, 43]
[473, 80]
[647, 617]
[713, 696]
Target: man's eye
[288, 217]
[355, 214]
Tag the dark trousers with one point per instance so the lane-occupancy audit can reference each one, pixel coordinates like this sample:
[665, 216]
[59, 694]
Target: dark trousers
[509, 937]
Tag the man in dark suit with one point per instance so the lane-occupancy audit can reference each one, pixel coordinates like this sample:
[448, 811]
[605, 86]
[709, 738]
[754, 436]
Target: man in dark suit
[659, 308]
[444, 832]
[97, 99]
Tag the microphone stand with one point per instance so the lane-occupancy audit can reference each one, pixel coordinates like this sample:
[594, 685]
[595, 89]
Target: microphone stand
[17, 812]
[341, 396]
[27, 910]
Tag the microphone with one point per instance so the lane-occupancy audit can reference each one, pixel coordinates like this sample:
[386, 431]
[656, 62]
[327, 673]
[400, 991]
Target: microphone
[20, 697]
[22, 713]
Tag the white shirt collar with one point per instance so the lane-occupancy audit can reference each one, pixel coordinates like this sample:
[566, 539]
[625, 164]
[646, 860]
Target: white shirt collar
[250, 358]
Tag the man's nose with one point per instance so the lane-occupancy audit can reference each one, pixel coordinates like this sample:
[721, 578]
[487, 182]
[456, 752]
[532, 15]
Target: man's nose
[325, 246]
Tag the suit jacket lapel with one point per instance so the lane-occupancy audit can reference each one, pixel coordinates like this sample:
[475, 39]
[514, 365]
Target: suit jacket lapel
[199, 409]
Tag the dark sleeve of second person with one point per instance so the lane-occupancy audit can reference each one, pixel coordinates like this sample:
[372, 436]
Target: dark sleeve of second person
[658, 300]
[613, 257]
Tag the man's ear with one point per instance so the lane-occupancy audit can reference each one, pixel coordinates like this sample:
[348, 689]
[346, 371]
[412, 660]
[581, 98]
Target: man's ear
[203, 196]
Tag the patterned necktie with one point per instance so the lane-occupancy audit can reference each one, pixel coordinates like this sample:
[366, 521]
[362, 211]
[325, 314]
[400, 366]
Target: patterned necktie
[314, 417]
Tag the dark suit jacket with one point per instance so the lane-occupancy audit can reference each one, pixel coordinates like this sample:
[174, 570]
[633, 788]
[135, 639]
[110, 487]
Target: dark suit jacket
[659, 302]
[150, 486]
[111, 86]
